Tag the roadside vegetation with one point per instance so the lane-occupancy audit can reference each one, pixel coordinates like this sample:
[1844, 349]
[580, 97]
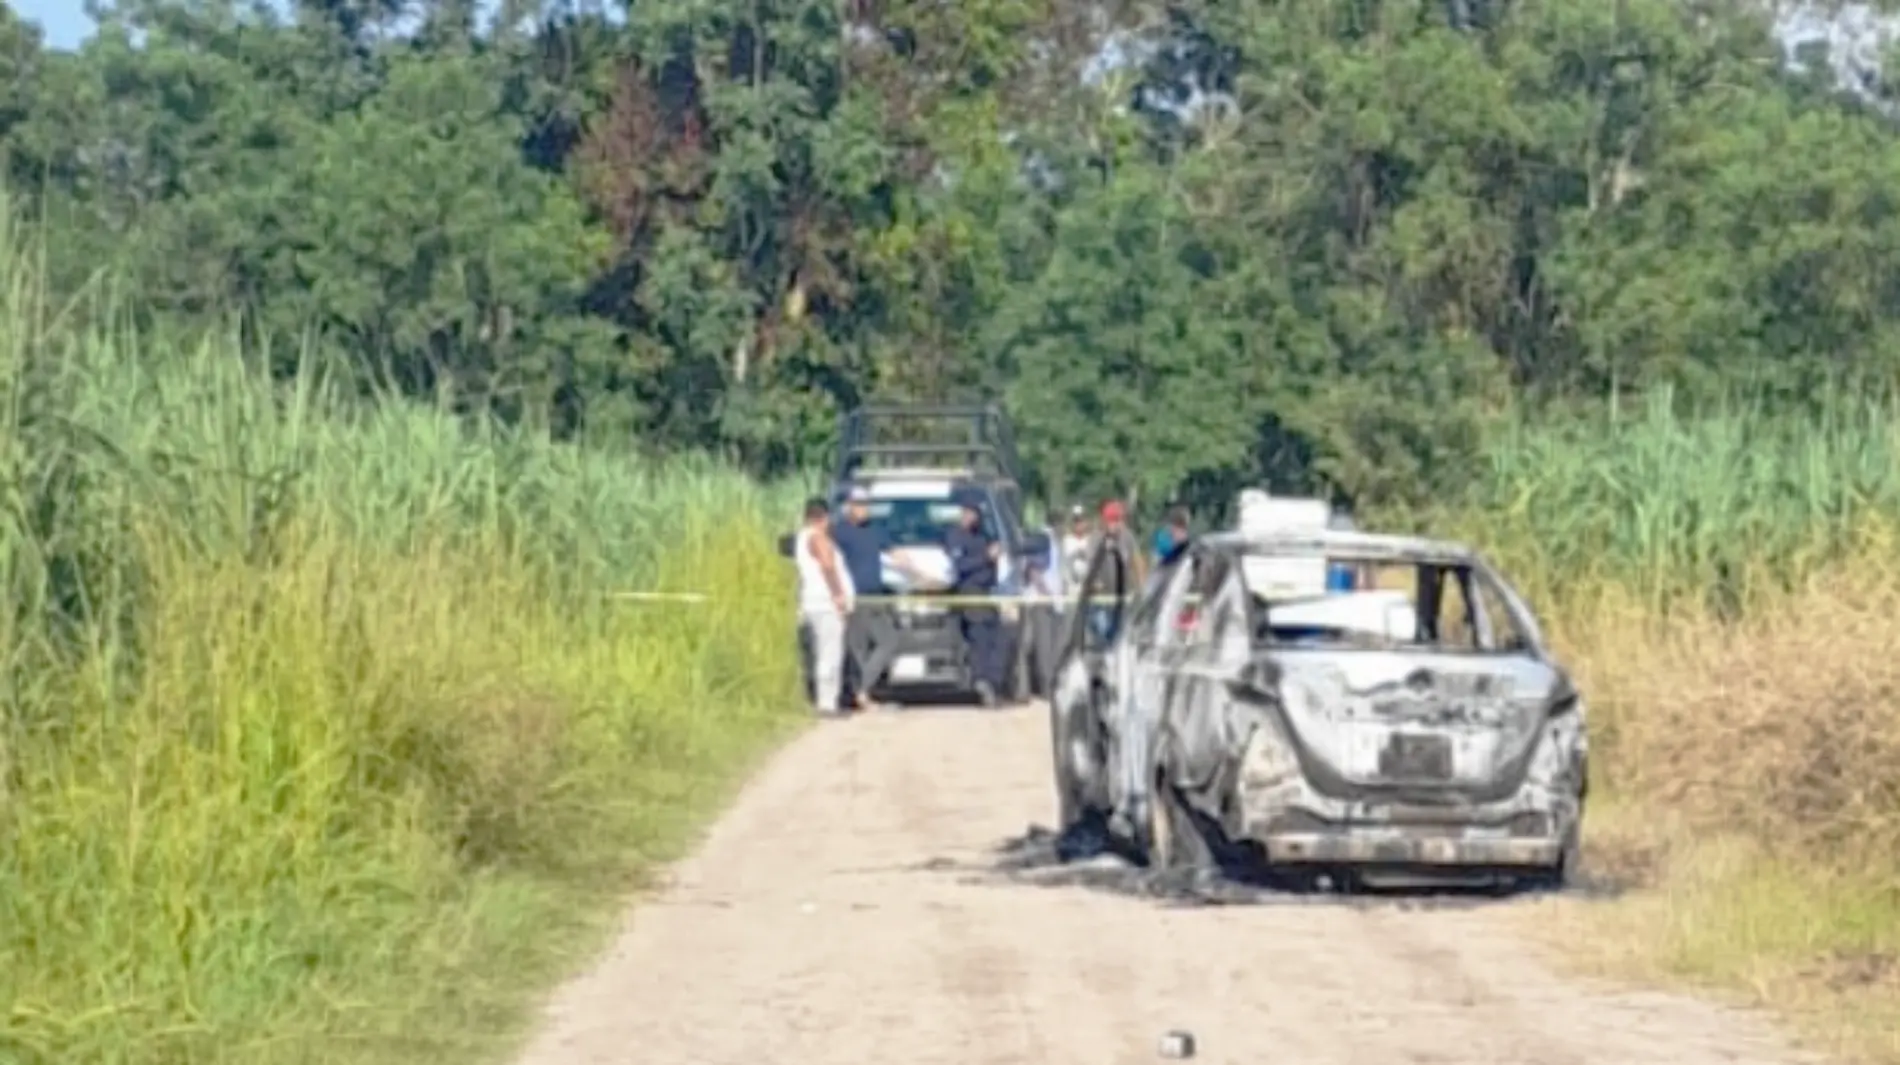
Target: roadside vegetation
[1726, 586]
[322, 740]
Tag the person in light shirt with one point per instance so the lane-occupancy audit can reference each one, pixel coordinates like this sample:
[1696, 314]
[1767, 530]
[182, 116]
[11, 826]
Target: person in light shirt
[825, 596]
[1075, 546]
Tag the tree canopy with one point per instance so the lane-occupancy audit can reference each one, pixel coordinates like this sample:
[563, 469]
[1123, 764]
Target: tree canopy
[1324, 244]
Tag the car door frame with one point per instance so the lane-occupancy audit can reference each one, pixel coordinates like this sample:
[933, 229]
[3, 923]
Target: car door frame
[1191, 735]
[1145, 670]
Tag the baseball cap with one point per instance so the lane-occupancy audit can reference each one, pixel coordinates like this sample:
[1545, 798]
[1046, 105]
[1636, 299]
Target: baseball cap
[1112, 510]
[858, 494]
[1078, 511]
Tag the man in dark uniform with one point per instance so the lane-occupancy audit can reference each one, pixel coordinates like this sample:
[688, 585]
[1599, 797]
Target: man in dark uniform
[973, 557]
[861, 545]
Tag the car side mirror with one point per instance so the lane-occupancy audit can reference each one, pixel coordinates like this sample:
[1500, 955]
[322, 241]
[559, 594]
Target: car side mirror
[1035, 545]
[785, 544]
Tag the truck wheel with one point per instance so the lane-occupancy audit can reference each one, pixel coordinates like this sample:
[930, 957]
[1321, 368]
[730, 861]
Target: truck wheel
[1018, 688]
[1041, 654]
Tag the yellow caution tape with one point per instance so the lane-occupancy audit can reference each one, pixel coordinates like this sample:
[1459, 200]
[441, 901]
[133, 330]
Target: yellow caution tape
[662, 597]
[923, 599]
[948, 599]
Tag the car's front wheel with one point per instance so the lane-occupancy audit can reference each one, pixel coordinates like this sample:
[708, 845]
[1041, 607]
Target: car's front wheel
[1564, 873]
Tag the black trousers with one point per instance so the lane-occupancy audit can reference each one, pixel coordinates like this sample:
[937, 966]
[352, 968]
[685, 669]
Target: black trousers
[988, 647]
[859, 627]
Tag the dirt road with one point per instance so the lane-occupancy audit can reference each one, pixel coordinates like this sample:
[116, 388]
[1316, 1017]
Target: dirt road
[848, 912]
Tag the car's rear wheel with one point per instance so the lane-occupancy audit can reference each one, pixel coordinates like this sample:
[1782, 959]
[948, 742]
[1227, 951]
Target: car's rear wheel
[1174, 839]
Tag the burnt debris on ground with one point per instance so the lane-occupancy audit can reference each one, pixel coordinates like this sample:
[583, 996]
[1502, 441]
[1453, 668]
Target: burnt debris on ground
[1095, 861]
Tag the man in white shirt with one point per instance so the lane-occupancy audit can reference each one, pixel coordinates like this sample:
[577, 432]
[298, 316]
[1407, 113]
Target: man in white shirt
[824, 602]
[1075, 547]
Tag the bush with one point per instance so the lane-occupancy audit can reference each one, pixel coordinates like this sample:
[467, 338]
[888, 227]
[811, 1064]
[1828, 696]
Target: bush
[319, 736]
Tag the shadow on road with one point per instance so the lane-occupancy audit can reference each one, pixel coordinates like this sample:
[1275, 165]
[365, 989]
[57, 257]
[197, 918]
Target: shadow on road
[1041, 858]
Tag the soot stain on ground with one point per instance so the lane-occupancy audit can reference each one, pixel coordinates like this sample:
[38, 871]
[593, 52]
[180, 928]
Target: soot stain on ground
[1042, 858]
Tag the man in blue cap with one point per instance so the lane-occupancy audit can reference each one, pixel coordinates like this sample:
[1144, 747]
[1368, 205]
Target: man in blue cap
[973, 559]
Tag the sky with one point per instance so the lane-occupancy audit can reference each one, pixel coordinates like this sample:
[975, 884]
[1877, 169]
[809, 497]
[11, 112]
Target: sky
[64, 21]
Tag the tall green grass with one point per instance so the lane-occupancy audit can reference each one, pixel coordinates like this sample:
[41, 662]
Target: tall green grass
[320, 739]
[1707, 509]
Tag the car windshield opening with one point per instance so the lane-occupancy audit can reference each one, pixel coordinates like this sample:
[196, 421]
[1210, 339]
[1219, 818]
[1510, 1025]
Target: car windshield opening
[1345, 602]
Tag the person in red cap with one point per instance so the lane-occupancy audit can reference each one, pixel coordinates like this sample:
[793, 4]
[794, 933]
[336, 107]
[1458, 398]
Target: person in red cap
[1114, 527]
[1115, 524]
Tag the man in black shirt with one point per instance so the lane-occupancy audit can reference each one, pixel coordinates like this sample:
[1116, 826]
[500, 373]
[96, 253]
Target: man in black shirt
[973, 558]
[861, 546]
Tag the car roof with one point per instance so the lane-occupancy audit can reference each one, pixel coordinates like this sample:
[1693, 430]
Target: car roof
[1378, 547]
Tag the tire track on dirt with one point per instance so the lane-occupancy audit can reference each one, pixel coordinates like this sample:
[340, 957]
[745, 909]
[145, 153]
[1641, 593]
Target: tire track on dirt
[832, 918]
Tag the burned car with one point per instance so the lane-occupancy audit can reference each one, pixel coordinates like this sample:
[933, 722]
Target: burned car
[1324, 702]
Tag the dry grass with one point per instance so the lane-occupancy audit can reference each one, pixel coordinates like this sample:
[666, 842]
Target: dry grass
[1751, 771]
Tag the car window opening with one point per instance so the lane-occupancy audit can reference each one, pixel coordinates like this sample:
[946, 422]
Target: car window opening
[1344, 603]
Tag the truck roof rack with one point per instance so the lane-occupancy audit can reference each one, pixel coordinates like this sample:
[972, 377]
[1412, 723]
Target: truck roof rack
[976, 437]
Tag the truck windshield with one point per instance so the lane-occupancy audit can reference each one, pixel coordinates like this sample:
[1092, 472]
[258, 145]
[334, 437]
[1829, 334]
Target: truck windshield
[920, 522]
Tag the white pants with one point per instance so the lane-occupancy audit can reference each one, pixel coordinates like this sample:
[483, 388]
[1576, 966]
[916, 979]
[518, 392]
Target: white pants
[826, 629]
